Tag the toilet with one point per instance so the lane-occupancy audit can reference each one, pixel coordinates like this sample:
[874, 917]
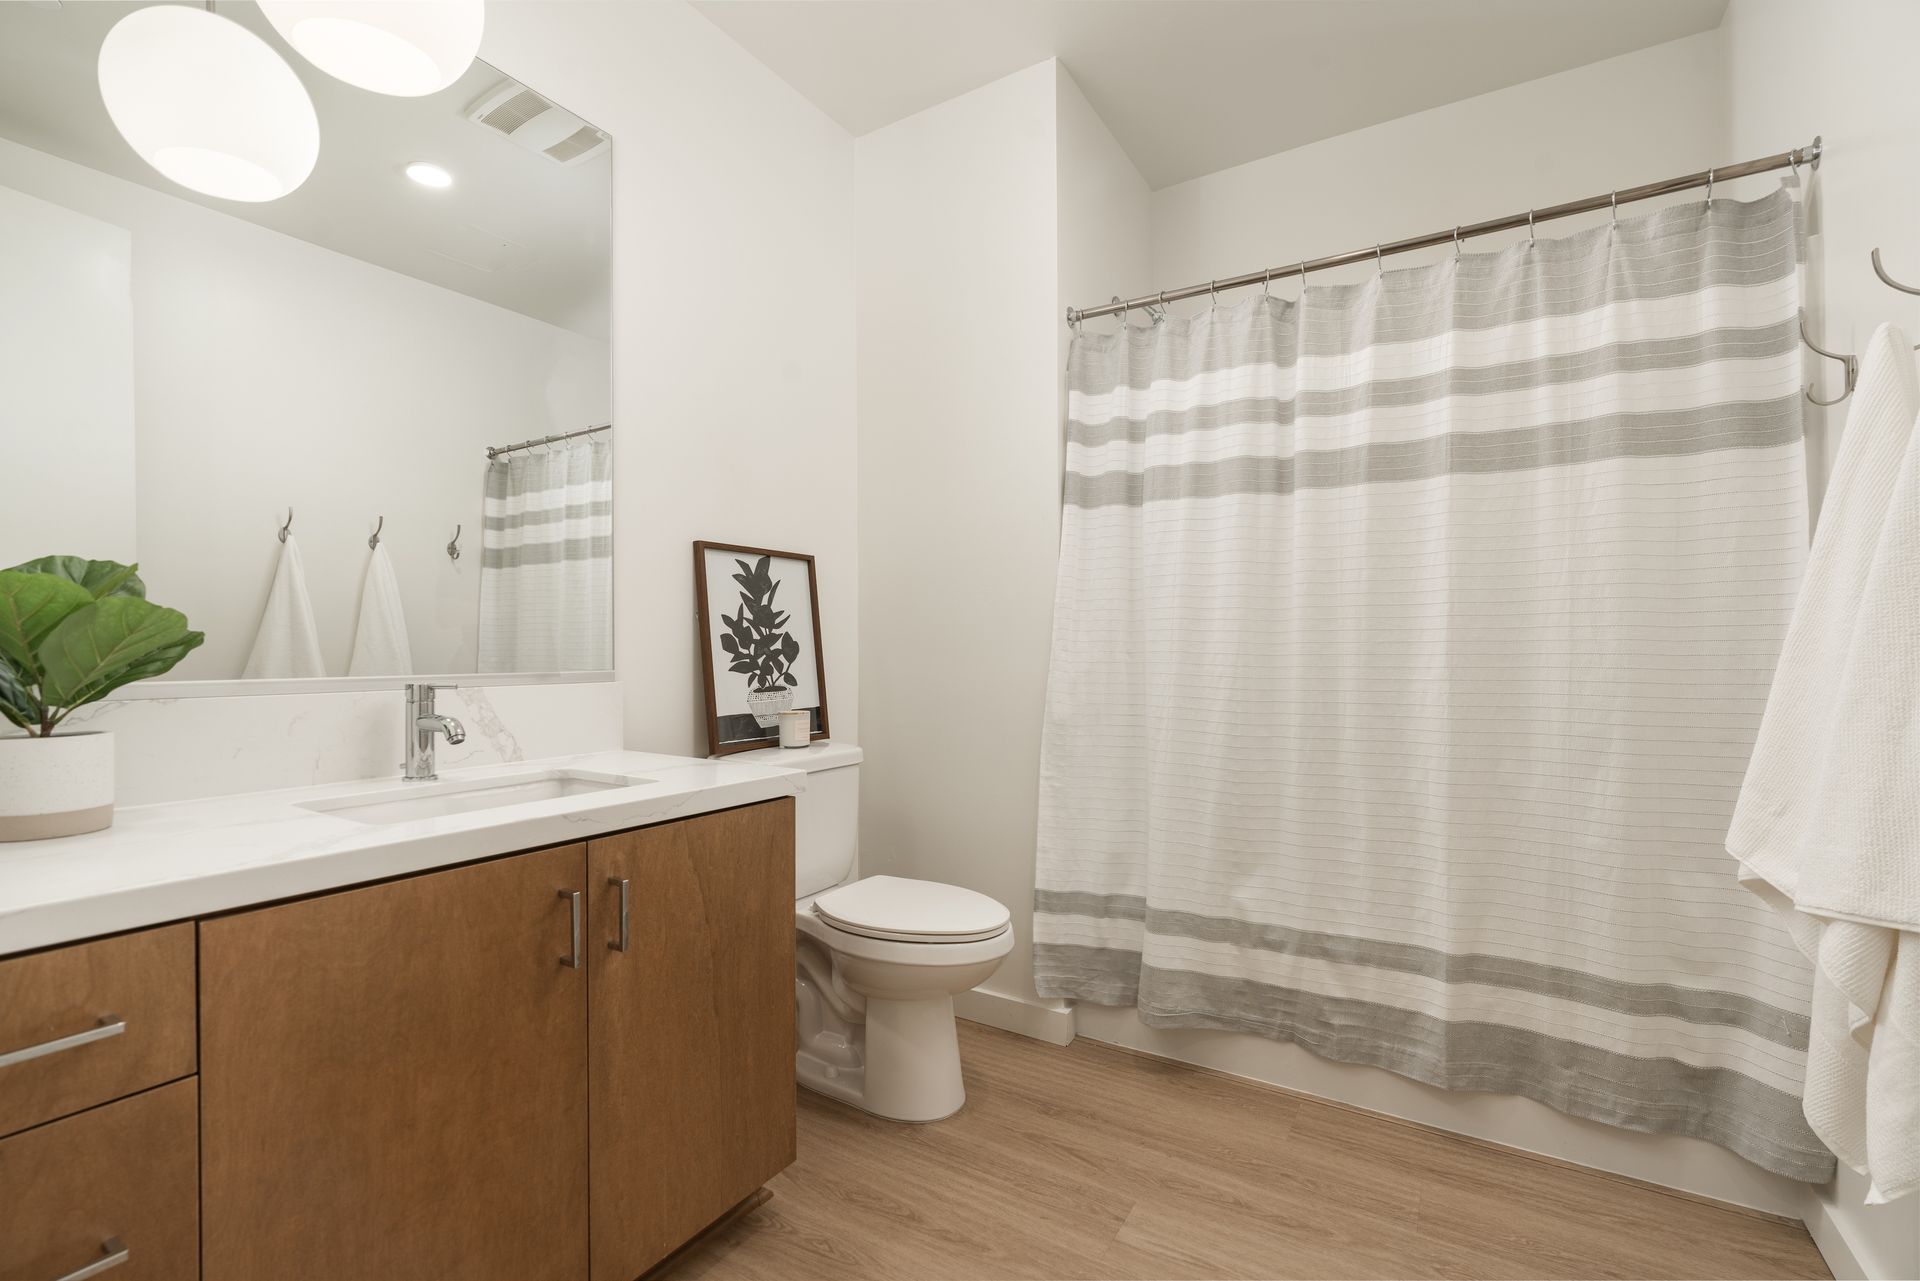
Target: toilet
[878, 959]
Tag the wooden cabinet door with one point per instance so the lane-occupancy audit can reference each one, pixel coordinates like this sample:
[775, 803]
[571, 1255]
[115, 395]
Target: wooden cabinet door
[692, 1027]
[392, 1081]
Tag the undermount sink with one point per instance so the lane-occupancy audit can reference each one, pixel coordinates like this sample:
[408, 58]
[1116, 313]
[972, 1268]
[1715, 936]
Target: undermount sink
[454, 796]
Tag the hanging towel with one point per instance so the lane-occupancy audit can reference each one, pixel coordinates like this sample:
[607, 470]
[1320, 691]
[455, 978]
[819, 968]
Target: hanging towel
[1827, 828]
[380, 638]
[287, 646]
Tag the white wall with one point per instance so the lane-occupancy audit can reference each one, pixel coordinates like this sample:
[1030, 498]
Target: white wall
[270, 373]
[959, 388]
[1632, 119]
[1844, 70]
[733, 329]
[66, 361]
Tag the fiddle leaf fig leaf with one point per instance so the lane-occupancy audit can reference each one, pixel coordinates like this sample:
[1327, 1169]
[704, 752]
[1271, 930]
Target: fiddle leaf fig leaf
[32, 604]
[101, 578]
[99, 642]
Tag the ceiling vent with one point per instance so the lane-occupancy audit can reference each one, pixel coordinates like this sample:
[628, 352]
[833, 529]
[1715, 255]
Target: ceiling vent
[530, 121]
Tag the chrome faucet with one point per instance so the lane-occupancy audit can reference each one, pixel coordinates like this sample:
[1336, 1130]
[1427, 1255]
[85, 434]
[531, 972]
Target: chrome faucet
[422, 724]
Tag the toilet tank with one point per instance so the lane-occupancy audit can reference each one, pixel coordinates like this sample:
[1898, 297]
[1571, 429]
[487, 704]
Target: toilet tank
[826, 815]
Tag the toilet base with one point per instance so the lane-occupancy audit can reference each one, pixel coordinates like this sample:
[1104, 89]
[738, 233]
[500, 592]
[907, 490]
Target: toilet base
[905, 1064]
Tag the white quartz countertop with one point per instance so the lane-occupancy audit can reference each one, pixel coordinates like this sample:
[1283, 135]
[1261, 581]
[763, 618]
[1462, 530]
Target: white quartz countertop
[161, 863]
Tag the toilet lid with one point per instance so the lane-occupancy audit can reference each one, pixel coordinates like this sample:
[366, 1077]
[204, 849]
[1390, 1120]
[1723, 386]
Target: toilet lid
[893, 907]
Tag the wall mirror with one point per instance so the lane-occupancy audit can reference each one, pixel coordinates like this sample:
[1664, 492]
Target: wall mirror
[179, 373]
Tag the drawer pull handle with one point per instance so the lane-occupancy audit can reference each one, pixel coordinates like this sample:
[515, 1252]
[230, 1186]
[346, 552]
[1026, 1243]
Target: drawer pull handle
[113, 1254]
[626, 917]
[109, 1025]
[573, 905]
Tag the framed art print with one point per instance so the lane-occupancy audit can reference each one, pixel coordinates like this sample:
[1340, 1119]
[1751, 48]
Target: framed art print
[760, 643]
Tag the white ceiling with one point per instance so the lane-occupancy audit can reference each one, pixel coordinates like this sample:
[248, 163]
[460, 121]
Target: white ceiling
[516, 229]
[1192, 86]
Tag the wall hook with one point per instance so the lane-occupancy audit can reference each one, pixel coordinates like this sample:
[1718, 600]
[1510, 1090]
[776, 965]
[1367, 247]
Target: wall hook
[375, 540]
[289, 525]
[1851, 364]
[1885, 279]
[453, 548]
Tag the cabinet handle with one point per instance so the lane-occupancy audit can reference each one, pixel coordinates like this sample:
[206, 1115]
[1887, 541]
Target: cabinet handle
[113, 1254]
[626, 918]
[110, 1025]
[573, 906]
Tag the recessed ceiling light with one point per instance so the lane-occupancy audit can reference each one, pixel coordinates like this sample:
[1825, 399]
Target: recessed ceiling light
[428, 174]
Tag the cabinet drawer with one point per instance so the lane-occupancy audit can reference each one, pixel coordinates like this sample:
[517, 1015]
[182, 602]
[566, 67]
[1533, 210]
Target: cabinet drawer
[85, 1024]
[119, 1179]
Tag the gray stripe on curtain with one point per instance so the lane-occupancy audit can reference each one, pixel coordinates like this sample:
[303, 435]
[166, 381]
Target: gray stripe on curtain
[1651, 1000]
[1639, 357]
[552, 553]
[1651, 1095]
[1729, 425]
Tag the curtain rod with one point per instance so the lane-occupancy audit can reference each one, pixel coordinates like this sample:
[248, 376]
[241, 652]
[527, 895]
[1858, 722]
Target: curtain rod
[1808, 155]
[494, 451]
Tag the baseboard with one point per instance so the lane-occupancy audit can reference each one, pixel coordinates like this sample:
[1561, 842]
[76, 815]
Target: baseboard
[1862, 1242]
[1043, 1020]
[1831, 1241]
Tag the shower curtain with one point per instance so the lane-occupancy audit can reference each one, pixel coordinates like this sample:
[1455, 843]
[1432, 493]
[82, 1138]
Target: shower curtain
[1409, 645]
[546, 569]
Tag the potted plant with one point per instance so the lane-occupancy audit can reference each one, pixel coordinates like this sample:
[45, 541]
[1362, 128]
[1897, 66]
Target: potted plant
[760, 650]
[72, 631]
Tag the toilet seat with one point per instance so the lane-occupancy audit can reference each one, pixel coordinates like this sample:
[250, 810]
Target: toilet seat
[900, 910]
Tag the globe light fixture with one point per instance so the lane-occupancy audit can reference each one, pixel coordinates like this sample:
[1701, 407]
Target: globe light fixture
[407, 48]
[208, 104]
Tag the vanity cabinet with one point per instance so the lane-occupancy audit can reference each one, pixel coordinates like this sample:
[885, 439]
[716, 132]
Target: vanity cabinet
[453, 1074]
[690, 1000]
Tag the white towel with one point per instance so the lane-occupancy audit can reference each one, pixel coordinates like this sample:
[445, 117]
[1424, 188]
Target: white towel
[380, 637]
[1827, 828]
[287, 646]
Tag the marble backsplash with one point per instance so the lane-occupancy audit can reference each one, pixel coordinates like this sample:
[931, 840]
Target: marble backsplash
[176, 749]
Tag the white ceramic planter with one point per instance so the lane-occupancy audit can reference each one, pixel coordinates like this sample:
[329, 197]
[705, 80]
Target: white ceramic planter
[58, 786]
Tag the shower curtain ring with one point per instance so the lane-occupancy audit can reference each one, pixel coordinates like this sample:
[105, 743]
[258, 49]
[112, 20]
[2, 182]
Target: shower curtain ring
[1266, 283]
[1303, 277]
[1456, 242]
[1616, 213]
[1213, 290]
[1530, 226]
[1379, 267]
[1709, 191]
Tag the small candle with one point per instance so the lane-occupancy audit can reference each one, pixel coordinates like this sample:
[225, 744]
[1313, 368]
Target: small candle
[796, 727]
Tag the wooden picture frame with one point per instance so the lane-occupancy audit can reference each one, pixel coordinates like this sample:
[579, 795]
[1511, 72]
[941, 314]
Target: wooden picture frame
[754, 653]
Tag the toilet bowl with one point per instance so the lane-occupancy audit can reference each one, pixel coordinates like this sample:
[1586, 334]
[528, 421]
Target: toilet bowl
[878, 959]
[875, 987]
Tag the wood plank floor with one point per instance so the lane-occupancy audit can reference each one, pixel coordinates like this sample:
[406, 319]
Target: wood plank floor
[1090, 1162]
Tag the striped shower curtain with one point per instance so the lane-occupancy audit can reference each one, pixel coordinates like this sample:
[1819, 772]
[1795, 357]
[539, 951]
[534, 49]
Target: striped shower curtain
[546, 570]
[1409, 645]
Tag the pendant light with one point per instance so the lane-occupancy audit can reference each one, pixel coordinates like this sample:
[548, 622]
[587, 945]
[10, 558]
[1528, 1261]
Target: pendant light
[208, 103]
[408, 48]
